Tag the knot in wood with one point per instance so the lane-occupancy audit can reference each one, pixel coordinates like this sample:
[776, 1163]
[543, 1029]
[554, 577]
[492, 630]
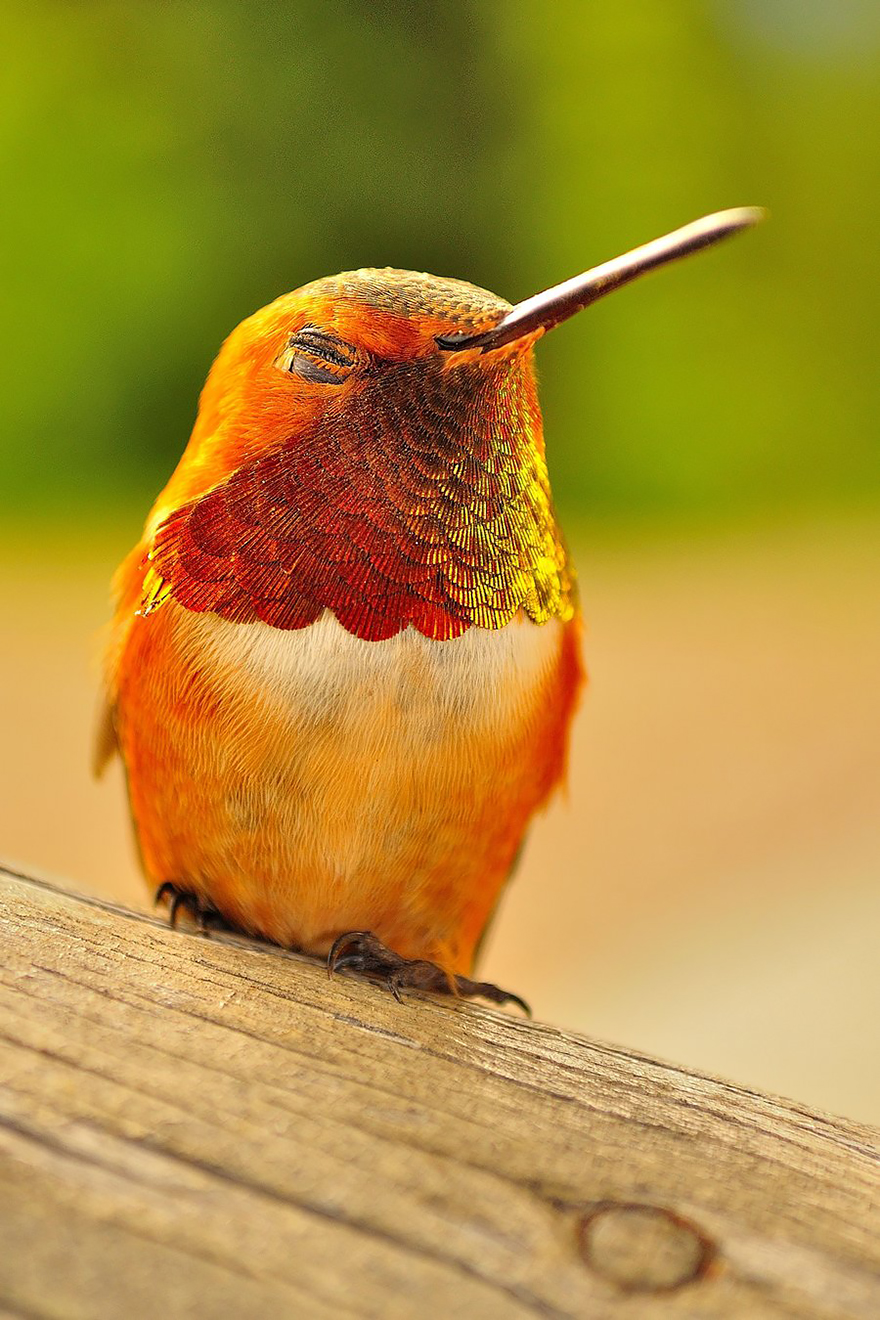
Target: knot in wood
[643, 1248]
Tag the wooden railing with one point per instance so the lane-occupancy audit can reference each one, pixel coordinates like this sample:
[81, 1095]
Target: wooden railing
[209, 1127]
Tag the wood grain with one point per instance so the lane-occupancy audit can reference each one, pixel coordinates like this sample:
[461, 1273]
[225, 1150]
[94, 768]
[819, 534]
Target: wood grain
[206, 1127]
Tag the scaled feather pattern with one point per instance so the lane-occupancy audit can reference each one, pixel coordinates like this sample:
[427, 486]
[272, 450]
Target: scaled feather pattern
[437, 516]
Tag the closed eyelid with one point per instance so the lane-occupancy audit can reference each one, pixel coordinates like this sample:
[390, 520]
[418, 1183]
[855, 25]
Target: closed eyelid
[310, 368]
[312, 340]
[319, 357]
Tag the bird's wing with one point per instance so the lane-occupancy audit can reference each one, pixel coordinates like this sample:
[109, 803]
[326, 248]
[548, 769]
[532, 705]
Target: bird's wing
[128, 591]
[105, 743]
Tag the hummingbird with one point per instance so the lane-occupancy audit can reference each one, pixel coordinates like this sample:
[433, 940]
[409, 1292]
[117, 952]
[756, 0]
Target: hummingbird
[346, 654]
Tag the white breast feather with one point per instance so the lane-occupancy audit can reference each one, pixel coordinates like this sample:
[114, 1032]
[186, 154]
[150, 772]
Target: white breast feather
[476, 679]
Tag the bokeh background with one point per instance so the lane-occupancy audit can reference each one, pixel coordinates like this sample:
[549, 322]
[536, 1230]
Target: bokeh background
[708, 890]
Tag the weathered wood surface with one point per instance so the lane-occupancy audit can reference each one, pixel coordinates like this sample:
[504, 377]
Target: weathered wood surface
[206, 1127]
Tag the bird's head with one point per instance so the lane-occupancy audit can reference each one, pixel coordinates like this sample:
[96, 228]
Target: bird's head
[353, 355]
[372, 444]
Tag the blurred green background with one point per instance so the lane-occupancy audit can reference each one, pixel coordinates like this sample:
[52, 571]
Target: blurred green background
[708, 891]
[169, 168]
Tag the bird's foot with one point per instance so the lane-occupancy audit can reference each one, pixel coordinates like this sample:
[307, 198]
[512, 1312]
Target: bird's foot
[206, 917]
[360, 952]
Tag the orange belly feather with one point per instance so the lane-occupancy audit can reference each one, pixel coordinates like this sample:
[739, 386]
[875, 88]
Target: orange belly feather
[311, 782]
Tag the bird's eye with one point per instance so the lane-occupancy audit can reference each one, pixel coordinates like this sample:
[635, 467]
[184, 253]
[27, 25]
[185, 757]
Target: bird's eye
[317, 356]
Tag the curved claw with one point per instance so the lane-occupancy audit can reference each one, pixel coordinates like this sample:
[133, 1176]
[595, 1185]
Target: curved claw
[495, 995]
[177, 900]
[335, 961]
[202, 913]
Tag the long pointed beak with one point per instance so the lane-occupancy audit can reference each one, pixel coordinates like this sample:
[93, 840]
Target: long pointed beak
[547, 309]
